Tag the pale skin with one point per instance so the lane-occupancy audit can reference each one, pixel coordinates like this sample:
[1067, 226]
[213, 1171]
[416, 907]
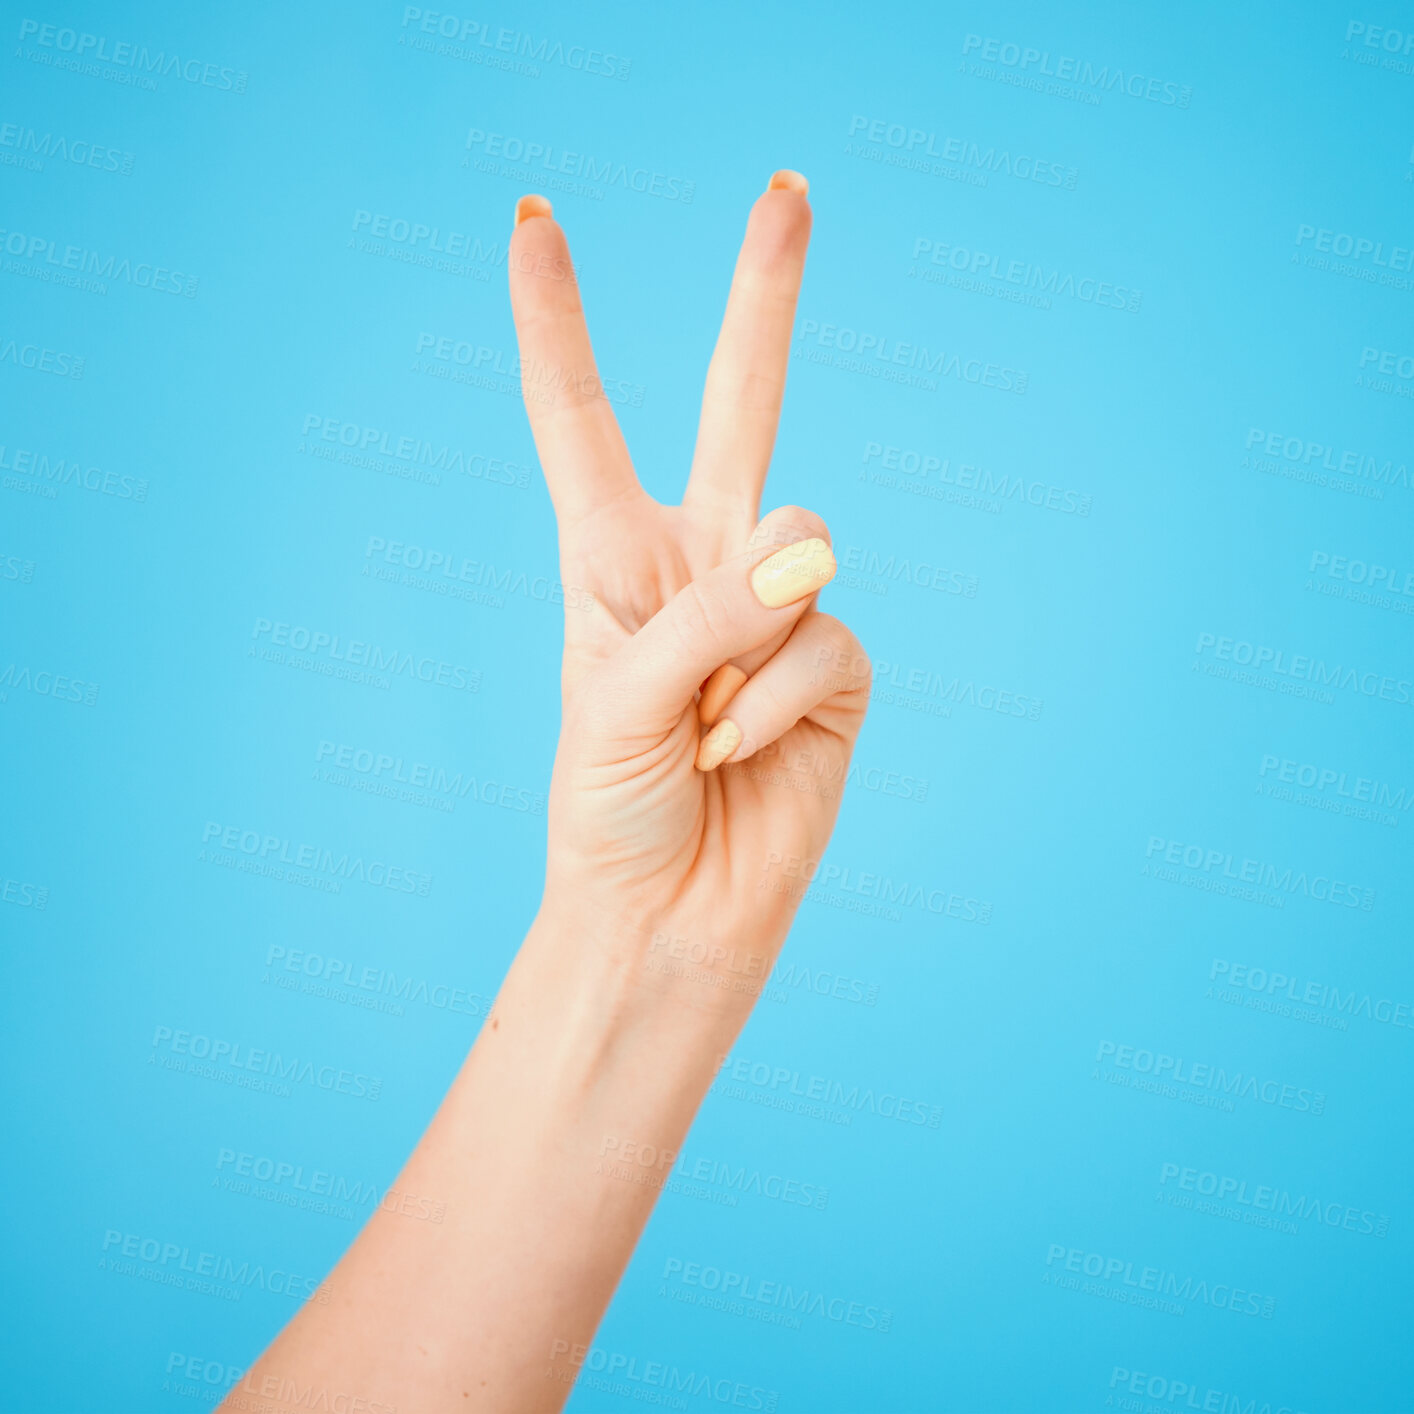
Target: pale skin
[677, 806]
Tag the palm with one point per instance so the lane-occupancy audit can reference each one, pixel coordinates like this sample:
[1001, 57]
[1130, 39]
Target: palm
[629, 810]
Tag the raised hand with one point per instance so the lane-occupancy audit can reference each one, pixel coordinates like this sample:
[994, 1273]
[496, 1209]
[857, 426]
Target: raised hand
[654, 825]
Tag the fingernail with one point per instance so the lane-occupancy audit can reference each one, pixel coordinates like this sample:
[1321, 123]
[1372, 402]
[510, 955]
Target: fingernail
[786, 180]
[533, 205]
[718, 744]
[717, 691]
[792, 573]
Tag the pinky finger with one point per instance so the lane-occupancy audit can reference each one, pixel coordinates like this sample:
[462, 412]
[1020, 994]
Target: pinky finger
[820, 672]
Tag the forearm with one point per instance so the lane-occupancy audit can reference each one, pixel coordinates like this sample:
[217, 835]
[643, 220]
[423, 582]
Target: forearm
[578, 1060]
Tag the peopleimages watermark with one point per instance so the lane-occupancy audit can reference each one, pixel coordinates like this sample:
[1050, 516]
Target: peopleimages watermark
[1300, 673]
[1367, 796]
[486, 366]
[39, 359]
[201, 1369]
[1204, 1076]
[1354, 257]
[418, 459]
[863, 567]
[61, 471]
[23, 895]
[1347, 244]
[1386, 371]
[1268, 1204]
[1392, 41]
[1310, 460]
[278, 1393]
[813, 772]
[326, 649]
[1037, 64]
[962, 159]
[1221, 865]
[1021, 281]
[1362, 581]
[87, 50]
[275, 1392]
[1322, 997]
[659, 1382]
[464, 38]
[667, 1170]
[414, 242]
[318, 1190]
[58, 687]
[545, 164]
[751, 1291]
[780, 1087]
[30, 148]
[426, 566]
[1386, 362]
[382, 773]
[1388, 48]
[336, 973]
[176, 1258]
[925, 689]
[15, 569]
[244, 1062]
[937, 477]
[334, 865]
[900, 361]
[1221, 1296]
[1185, 1395]
[46, 259]
[864, 891]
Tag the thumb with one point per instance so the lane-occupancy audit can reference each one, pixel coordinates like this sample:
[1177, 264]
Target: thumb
[743, 603]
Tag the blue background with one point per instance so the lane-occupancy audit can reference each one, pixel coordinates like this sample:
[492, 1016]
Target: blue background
[122, 916]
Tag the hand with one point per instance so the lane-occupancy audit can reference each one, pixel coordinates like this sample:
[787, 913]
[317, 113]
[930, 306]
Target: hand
[654, 829]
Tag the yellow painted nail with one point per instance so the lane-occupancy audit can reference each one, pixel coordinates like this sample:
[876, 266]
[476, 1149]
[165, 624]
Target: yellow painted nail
[792, 573]
[533, 205]
[718, 744]
[717, 691]
[786, 180]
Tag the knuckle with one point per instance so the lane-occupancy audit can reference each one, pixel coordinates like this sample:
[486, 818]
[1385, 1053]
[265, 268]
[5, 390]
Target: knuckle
[838, 635]
[788, 524]
[772, 706]
[840, 657]
[702, 620]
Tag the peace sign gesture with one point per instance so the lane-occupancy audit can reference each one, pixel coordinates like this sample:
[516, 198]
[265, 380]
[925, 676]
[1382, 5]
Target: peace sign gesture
[654, 825]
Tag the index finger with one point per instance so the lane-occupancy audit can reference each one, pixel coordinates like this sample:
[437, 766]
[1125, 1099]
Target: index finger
[581, 448]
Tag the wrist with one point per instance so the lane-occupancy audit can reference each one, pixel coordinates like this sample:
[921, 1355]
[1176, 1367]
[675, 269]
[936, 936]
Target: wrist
[647, 974]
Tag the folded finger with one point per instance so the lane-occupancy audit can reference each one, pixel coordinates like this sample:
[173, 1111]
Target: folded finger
[821, 672]
[780, 528]
[739, 606]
